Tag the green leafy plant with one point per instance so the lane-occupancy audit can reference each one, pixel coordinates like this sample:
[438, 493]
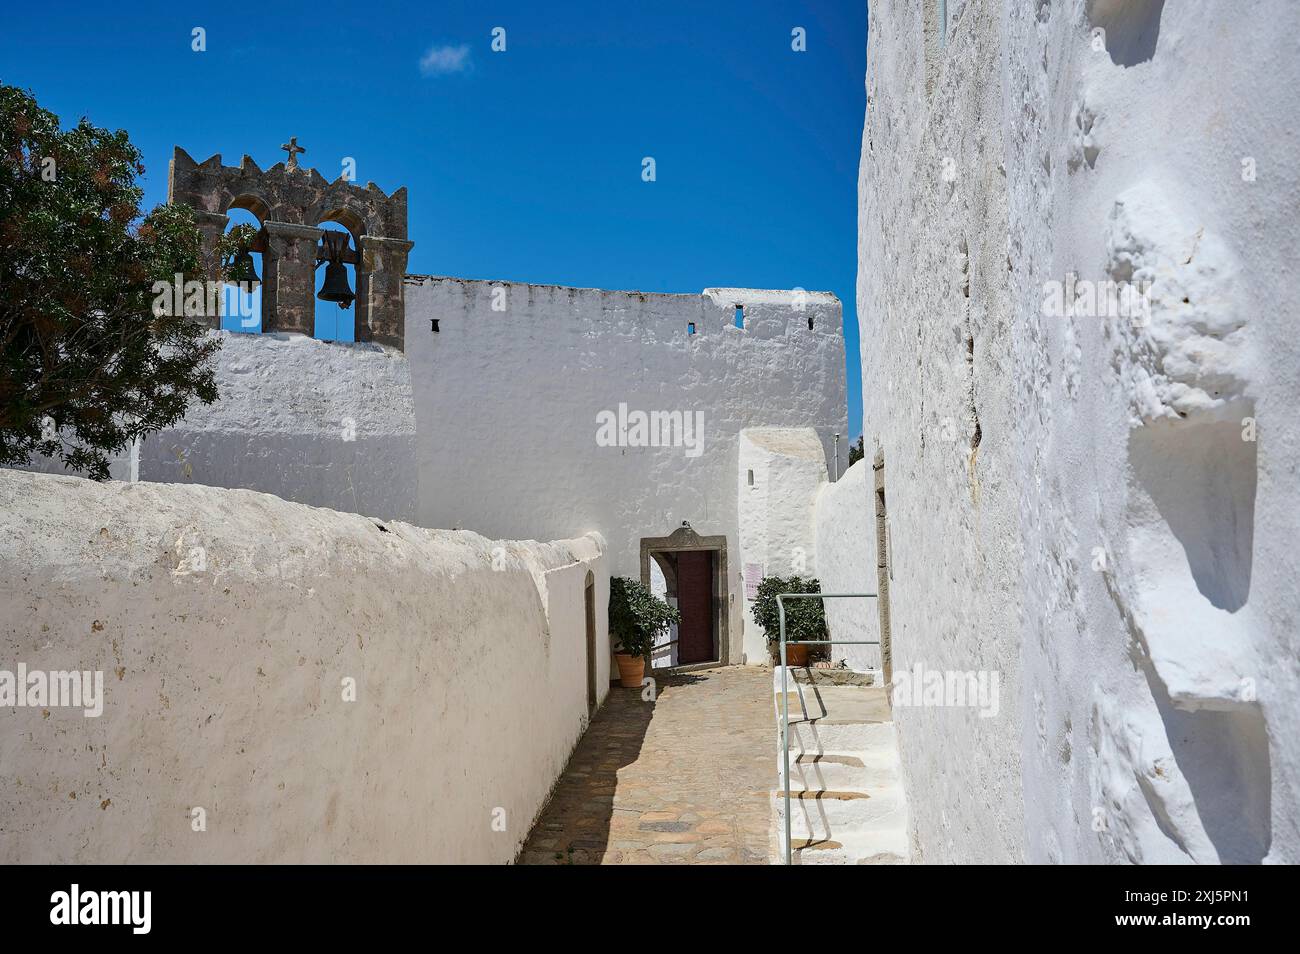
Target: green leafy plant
[235, 266]
[804, 619]
[637, 616]
[86, 363]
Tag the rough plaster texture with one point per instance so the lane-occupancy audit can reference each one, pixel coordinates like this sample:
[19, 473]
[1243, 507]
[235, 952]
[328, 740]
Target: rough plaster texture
[844, 535]
[775, 512]
[330, 424]
[1071, 499]
[223, 678]
[507, 403]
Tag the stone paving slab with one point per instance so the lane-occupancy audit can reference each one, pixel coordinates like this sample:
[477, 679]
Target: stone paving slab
[685, 779]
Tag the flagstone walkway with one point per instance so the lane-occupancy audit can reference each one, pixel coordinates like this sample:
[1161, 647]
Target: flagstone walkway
[684, 779]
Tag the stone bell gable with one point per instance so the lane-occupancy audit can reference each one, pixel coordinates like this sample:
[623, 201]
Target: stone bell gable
[289, 201]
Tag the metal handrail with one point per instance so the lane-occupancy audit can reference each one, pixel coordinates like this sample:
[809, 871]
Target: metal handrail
[785, 694]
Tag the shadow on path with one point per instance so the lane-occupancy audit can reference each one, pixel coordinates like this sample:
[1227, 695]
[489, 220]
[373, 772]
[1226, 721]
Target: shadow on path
[682, 779]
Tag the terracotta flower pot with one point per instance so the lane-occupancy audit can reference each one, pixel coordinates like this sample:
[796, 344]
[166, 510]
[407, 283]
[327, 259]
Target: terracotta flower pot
[796, 655]
[630, 670]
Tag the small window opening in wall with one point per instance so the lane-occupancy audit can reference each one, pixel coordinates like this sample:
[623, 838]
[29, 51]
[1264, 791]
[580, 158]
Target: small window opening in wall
[810, 322]
[433, 324]
[740, 316]
[751, 478]
[690, 327]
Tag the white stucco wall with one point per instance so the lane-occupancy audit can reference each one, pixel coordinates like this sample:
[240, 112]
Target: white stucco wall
[491, 423]
[775, 512]
[329, 424]
[1071, 499]
[844, 527]
[223, 678]
[507, 403]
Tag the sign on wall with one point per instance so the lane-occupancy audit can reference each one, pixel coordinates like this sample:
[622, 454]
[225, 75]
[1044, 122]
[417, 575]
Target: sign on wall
[753, 576]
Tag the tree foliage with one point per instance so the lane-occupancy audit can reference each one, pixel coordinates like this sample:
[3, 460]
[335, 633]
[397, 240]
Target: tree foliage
[86, 365]
[637, 616]
[856, 453]
[231, 245]
[804, 619]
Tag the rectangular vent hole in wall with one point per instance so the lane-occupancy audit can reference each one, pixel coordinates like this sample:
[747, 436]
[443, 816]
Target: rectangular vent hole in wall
[810, 322]
[740, 316]
[751, 478]
[690, 327]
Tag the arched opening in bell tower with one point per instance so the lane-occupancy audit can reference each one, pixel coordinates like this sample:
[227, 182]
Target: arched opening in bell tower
[241, 303]
[338, 275]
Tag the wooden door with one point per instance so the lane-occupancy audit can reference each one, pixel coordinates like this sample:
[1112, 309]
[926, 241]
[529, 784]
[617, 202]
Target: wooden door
[695, 601]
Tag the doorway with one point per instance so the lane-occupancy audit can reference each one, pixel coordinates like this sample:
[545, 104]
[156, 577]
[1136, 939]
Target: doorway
[695, 636]
[693, 571]
[589, 599]
[884, 569]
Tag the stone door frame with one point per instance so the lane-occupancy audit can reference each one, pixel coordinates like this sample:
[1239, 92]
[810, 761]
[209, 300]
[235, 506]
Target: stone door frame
[684, 539]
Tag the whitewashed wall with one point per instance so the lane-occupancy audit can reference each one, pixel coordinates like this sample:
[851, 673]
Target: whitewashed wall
[507, 402]
[490, 423]
[329, 424]
[224, 678]
[776, 512]
[845, 533]
[1071, 500]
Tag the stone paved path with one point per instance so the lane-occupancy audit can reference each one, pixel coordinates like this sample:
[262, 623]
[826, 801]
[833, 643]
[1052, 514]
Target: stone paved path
[681, 780]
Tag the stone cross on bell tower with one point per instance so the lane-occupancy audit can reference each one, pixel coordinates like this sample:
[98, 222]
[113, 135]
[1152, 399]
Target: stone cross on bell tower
[291, 202]
[292, 148]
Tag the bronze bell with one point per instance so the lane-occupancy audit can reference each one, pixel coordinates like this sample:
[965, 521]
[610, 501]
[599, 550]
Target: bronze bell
[335, 287]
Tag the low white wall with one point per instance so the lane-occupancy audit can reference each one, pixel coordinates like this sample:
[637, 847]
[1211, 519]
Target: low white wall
[845, 527]
[225, 622]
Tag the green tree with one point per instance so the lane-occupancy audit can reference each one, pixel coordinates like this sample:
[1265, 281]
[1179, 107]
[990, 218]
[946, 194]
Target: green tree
[856, 453]
[86, 363]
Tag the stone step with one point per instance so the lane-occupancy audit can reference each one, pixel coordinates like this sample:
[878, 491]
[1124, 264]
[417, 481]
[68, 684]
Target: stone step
[876, 848]
[835, 737]
[802, 827]
[840, 703]
[822, 816]
[846, 795]
[821, 794]
[832, 677]
[826, 772]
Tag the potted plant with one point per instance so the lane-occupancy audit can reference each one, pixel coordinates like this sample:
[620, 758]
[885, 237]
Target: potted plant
[636, 617]
[804, 619]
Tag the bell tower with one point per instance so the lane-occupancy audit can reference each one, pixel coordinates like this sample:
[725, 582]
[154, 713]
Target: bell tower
[288, 200]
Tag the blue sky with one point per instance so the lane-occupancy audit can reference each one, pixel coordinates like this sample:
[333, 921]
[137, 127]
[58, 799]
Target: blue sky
[523, 165]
